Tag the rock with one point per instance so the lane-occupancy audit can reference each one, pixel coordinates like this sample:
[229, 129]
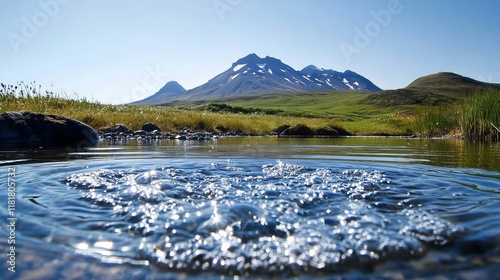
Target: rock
[116, 128]
[280, 129]
[298, 130]
[332, 131]
[31, 130]
[221, 129]
[155, 133]
[149, 127]
[140, 133]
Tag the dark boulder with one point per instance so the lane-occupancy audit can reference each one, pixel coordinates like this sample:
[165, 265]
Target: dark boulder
[117, 128]
[298, 130]
[150, 127]
[280, 129]
[20, 130]
[332, 131]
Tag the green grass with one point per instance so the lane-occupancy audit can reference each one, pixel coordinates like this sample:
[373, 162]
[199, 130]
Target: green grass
[24, 97]
[349, 109]
[318, 112]
[343, 106]
[413, 98]
[438, 121]
[434, 112]
[481, 116]
[473, 117]
[476, 118]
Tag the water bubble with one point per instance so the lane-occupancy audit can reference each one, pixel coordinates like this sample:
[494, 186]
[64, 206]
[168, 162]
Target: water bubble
[268, 219]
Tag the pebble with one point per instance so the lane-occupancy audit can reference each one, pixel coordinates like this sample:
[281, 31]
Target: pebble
[185, 134]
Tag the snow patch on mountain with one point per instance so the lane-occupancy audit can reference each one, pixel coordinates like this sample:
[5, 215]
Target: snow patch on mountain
[232, 77]
[346, 82]
[238, 67]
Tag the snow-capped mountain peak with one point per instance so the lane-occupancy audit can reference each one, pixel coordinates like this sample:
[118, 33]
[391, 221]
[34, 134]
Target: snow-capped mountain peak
[253, 75]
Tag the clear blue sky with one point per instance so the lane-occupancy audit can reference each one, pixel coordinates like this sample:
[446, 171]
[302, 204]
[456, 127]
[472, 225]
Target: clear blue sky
[117, 51]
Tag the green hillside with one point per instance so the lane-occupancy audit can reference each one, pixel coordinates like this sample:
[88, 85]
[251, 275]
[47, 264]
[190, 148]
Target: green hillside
[433, 90]
[417, 97]
[447, 80]
[345, 106]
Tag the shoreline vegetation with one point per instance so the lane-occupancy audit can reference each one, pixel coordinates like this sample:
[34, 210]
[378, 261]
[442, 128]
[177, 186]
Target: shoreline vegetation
[477, 117]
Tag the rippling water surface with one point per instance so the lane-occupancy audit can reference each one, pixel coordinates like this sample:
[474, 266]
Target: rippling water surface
[257, 208]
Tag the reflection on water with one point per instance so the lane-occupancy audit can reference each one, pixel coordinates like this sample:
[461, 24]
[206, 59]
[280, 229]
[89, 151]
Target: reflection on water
[357, 207]
[439, 152]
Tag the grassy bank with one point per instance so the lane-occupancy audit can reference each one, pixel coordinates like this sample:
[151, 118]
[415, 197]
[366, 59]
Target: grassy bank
[25, 97]
[476, 118]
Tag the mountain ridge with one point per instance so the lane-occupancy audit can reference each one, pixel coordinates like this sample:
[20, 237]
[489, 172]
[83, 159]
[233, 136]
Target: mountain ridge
[253, 75]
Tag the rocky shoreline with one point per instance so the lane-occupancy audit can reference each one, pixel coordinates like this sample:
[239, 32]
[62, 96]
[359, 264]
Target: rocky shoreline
[150, 132]
[28, 130]
[120, 133]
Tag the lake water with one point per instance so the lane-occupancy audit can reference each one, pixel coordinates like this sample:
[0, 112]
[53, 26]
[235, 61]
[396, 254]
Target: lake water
[255, 207]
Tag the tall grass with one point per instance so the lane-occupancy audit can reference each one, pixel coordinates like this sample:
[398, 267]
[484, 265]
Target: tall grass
[481, 116]
[438, 121]
[477, 118]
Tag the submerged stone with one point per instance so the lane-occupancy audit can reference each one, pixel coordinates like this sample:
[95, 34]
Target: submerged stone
[20, 130]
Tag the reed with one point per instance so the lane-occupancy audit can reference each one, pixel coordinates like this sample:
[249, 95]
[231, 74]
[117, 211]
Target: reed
[481, 116]
[477, 118]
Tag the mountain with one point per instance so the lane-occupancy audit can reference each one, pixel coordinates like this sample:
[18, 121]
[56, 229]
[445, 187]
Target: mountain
[171, 89]
[254, 76]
